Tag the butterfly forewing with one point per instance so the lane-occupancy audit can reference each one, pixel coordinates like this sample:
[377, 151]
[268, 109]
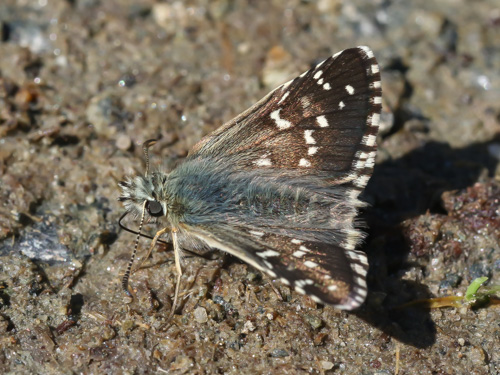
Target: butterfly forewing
[320, 123]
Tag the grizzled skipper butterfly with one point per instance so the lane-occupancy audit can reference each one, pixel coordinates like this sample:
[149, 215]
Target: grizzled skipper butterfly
[278, 185]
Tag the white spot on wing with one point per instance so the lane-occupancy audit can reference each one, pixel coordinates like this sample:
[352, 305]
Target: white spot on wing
[320, 82]
[284, 97]
[322, 121]
[359, 299]
[361, 154]
[315, 298]
[285, 85]
[281, 123]
[369, 140]
[301, 283]
[375, 119]
[359, 269]
[367, 51]
[298, 254]
[356, 255]
[285, 281]
[360, 281]
[375, 69]
[332, 288]
[304, 163]
[305, 102]
[268, 253]
[350, 243]
[300, 290]
[371, 157]
[370, 162]
[327, 86]
[360, 164]
[310, 264]
[321, 63]
[349, 89]
[341, 105]
[308, 136]
[263, 162]
[353, 196]
[318, 74]
[271, 273]
[312, 150]
[297, 241]
[256, 233]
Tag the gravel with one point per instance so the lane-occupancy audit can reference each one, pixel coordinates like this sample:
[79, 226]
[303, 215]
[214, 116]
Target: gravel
[84, 83]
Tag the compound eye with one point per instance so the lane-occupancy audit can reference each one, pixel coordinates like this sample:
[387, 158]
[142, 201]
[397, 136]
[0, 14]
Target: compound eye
[154, 208]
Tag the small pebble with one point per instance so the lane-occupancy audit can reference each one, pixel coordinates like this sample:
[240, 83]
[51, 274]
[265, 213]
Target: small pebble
[278, 353]
[248, 327]
[327, 365]
[108, 333]
[477, 356]
[200, 314]
[127, 325]
[314, 321]
[123, 142]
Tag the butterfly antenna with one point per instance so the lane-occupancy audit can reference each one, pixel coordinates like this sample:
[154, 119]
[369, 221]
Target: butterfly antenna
[126, 277]
[145, 147]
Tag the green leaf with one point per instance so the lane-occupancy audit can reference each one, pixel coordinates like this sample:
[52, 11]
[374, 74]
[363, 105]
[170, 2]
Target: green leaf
[471, 293]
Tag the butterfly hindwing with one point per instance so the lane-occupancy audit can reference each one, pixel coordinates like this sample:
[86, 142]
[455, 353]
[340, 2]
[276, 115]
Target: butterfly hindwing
[326, 272]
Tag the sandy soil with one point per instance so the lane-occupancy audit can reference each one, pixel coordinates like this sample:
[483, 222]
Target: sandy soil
[84, 82]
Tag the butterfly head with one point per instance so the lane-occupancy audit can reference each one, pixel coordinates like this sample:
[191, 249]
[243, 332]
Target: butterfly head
[145, 197]
[145, 193]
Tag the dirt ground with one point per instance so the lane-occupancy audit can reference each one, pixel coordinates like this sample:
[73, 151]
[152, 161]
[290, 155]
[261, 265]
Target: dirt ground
[84, 82]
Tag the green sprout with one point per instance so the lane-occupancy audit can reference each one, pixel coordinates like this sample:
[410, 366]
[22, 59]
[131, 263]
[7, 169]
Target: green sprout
[473, 297]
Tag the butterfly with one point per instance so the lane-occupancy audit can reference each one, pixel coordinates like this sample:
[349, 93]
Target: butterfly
[278, 185]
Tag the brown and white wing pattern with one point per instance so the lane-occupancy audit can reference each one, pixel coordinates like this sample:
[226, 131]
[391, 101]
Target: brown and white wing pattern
[278, 186]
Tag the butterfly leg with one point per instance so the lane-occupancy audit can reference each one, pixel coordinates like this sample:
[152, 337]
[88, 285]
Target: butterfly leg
[153, 244]
[177, 254]
[276, 291]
